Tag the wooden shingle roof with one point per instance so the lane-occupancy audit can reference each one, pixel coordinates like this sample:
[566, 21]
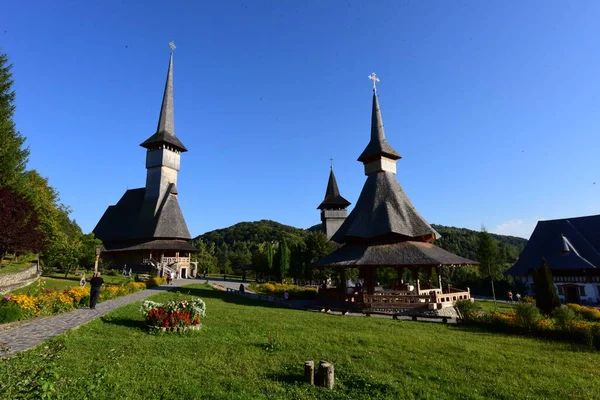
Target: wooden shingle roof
[333, 200]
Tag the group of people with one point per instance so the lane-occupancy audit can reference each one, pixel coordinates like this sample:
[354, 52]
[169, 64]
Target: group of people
[510, 297]
[171, 276]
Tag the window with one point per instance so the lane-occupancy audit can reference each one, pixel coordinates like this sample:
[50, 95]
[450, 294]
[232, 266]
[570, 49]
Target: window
[561, 290]
[581, 290]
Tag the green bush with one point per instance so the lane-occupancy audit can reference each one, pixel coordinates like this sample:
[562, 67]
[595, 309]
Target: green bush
[10, 313]
[527, 315]
[564, 317]
[466, 309]
[112, 272]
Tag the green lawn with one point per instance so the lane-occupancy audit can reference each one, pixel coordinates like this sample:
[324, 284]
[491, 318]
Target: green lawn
[58, 281]
[10, 267]
[230, 358]
[489, 306]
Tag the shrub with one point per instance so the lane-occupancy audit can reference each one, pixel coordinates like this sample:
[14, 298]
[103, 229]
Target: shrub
[564, 317]
[112, 272]
[587, 313]
[466, 309]
[10, 313]
[546, 298]
[156, 281]
[173, 314]
[527, 315]
[277, 289]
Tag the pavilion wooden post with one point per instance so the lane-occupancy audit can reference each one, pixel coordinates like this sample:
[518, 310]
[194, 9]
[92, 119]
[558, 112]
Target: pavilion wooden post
[343, 290]
[438, 271]
[96, 261]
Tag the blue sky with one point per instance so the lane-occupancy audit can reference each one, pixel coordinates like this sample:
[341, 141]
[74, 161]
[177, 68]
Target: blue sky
[494, 105]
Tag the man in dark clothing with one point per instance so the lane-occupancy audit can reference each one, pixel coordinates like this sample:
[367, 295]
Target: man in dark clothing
[95, 282]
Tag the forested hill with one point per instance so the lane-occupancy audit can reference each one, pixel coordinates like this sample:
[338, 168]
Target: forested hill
[460, 241]
[464, 242]
[254, 232]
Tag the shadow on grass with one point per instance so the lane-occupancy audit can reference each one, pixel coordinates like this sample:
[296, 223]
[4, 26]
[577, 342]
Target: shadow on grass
[210, 293]
[126, 322]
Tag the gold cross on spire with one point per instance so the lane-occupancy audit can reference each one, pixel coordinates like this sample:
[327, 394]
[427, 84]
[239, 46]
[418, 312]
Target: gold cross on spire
[375, 79]
[172, 45]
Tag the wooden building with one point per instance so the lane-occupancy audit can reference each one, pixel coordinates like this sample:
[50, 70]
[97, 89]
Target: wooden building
[571, 246]
[146, 228]
[333, 207]
[384, 230]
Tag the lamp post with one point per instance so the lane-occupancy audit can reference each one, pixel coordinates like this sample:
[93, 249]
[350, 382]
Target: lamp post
[97, 257]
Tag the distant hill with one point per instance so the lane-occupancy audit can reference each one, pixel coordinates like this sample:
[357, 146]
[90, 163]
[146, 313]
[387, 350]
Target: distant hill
[460, 241]
[255, 232]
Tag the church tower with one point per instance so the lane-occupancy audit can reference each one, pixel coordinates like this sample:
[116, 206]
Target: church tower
[333, 207]
[163, 147]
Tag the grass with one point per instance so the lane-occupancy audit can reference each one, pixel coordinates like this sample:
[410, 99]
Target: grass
[489, 306]
[10, 267]
[58, 281]
[250, 350]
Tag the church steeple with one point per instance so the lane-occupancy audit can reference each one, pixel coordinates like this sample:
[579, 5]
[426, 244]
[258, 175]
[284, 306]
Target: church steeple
[164, 148]
[165, 131]
[333, 200]
[379, 155]
[333, 207]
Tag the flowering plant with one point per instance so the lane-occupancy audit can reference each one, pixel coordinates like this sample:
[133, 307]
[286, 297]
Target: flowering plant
[174, 314]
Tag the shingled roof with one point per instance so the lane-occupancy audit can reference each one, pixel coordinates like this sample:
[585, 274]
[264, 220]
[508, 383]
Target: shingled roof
[566, 244]
[333, 199]
[381, 209]
[378, 145]
[165, 131]
[134, 217]
[398, 254]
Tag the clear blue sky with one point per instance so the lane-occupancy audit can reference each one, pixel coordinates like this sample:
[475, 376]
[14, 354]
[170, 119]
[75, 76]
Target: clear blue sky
[494, 105]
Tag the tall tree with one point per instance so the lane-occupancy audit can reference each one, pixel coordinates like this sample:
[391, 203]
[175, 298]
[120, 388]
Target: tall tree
[270, 258]
[207, 261]
[13, 154]
[19, 226]
[283, 260]
[487, 254]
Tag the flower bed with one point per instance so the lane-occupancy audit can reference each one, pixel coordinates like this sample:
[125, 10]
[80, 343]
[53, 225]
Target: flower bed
[578, 325]
[55, 301]
[174, 315]
[277, 289]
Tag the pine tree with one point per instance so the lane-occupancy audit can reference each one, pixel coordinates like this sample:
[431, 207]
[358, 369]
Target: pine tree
[270, 258]
[13, 155]
[546, 298]
[283, 260]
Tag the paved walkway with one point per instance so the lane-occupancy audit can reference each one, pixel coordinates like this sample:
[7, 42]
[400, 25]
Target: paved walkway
[31, 334]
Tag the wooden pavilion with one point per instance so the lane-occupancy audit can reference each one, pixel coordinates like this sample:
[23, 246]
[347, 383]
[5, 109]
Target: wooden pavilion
[384, 230]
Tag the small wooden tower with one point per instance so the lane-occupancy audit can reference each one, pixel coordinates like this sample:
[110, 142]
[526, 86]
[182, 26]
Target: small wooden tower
[333, 207]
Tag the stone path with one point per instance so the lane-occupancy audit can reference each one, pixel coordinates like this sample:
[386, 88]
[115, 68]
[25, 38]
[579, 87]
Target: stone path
[28, 335]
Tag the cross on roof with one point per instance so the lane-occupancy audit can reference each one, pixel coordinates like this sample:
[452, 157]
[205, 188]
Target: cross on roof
[172, 45]
[375, 79]
[331, 162]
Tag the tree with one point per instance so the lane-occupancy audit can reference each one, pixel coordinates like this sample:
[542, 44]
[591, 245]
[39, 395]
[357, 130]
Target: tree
[87, 255]
[546, 298]
[489, 266]
[19, 225]
[270, 258]
[260, 263]
[13, 154]
[283, 260]
[207, 261]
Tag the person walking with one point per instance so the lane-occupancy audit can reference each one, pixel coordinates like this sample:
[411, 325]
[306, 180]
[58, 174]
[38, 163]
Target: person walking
[96, 282]
[510, 297]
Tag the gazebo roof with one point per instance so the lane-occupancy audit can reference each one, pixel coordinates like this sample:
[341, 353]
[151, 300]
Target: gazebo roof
[398, 254]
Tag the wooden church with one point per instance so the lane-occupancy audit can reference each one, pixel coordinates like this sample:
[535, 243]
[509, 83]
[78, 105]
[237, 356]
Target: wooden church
[146, 228]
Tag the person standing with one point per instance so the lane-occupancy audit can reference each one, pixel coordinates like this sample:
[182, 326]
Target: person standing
[96, 282]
